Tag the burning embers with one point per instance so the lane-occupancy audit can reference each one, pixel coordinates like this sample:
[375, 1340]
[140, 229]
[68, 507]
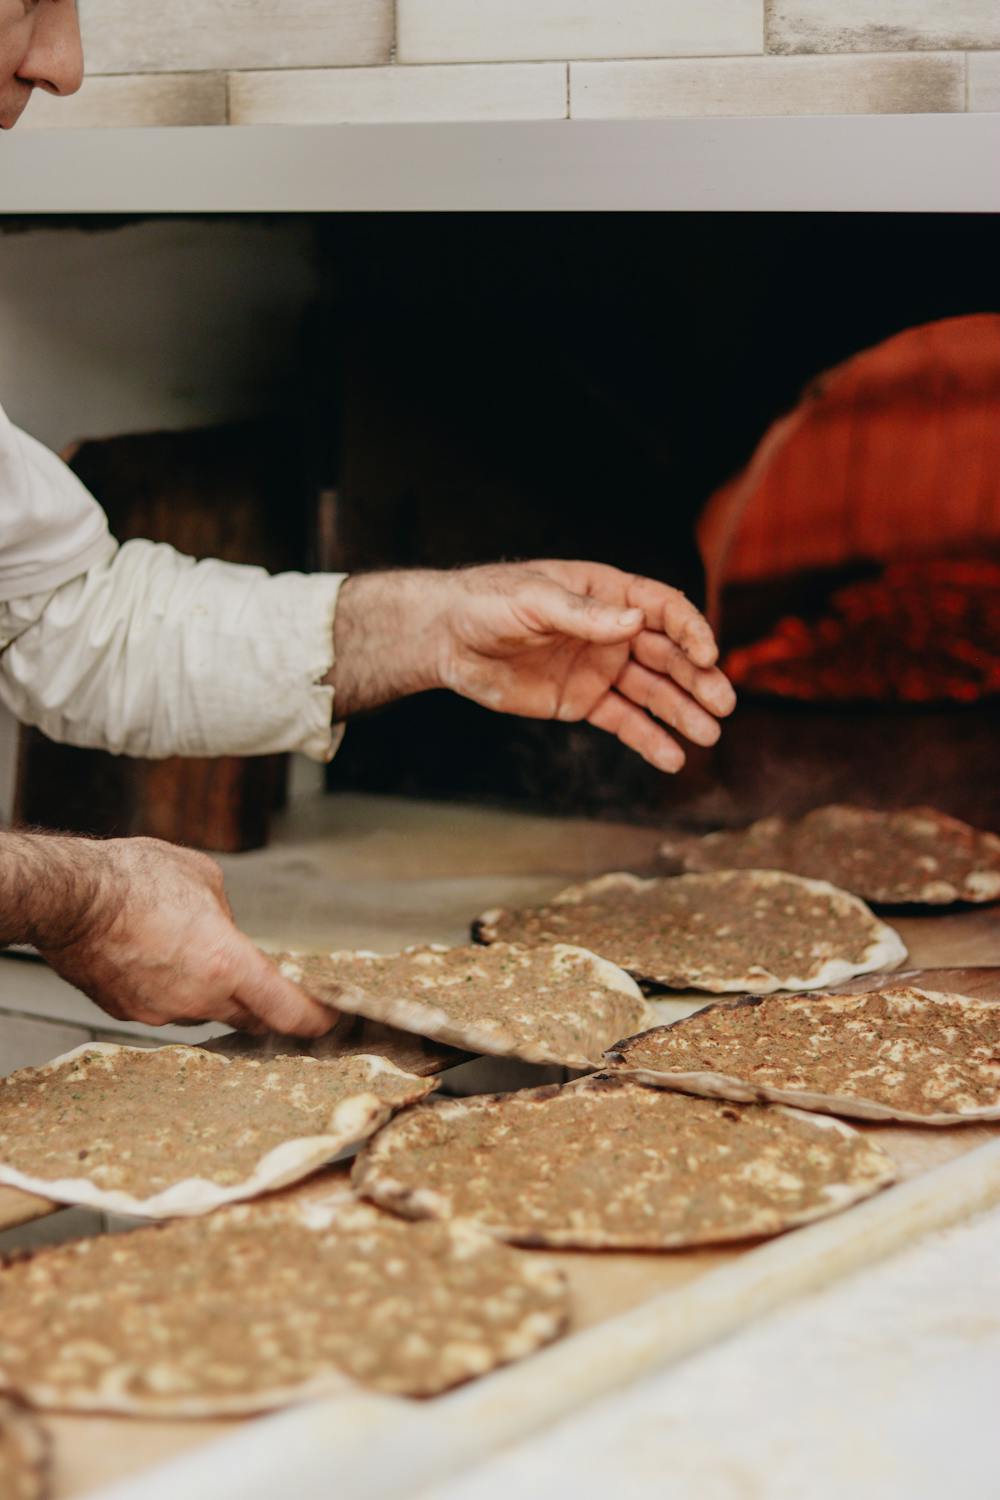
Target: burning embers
[891, 462]
[922, 632]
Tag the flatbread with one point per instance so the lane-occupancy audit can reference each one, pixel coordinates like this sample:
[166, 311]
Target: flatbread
[740, 930]
[24, 1454]
[605, 1163]
[263, 1304]
[554, 1005]
[892, 1054]
[178, 1130]
[915, 855]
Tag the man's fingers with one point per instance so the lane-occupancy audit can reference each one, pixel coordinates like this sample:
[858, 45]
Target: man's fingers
[638, 731]
[710, 686]
[668, 702]
[672, 612]
[275, 1000]
[551, 609]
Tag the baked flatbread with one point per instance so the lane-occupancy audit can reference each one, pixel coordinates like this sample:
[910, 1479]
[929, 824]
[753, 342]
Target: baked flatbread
[892, 1054]
[749, 930]
[605, 1163]
[559, 1004]
[916, 855]
[24, 1454]
[266, 1303]
[177, 1130]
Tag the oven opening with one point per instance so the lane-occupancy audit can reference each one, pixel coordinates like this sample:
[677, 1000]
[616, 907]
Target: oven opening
[791, 417]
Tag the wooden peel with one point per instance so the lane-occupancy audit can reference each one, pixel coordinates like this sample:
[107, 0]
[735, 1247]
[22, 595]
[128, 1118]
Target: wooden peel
[20, 1208]
[351, 1035]
[980, 982]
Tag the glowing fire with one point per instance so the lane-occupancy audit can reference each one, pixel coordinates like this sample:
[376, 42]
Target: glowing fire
[922, 632]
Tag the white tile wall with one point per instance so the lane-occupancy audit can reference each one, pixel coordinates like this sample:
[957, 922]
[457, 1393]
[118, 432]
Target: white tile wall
[509, 30]
[204, 62]
[141, 99]
[984, 80]
[123, 36]
[880, 25]
[890, 84]
[501, 91]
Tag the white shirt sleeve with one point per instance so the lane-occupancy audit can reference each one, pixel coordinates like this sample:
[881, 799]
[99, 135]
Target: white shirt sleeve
[51, 527]
[153, 654]
[142, 651]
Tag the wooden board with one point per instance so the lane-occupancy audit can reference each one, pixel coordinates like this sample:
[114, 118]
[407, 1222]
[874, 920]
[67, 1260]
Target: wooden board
[20, 1208]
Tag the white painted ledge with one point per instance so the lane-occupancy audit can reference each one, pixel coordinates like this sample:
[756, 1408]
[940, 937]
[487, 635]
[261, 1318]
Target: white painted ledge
[862, 163]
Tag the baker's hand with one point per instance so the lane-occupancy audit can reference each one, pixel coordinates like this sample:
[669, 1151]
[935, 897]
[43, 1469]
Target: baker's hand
[547, 640]
[155, 941]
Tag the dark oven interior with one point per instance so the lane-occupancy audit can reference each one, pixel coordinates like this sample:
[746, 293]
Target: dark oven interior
[616, 387]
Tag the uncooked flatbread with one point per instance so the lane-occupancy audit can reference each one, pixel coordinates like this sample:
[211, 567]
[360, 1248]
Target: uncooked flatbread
[915, 855]
[892, 1054]
[177, 1130]
[749, 930]
[605, 1163]
[267, 1303]
[24, 1454]
[554, 1005]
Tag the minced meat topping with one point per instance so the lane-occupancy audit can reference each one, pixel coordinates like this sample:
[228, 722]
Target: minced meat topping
[547, 1004]
[610, 1163]
[698, 930]
[913, 855]
[243, 1307]
[142, 1120]
[901, 1048]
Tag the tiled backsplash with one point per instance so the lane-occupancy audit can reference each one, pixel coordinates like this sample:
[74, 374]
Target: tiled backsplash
[213, 62]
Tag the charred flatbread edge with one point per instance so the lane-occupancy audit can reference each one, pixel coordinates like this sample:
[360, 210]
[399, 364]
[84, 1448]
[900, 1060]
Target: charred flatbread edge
[354, 1119]
[885, 950]
[422, 1018]
[425, 1203]
[710, 1085]
[318, 1213]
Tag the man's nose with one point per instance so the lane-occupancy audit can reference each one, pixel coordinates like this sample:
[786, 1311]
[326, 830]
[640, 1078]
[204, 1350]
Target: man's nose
[54, 59]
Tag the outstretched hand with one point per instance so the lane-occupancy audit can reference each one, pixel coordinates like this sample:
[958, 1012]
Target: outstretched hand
[575, 641]
[547, 640]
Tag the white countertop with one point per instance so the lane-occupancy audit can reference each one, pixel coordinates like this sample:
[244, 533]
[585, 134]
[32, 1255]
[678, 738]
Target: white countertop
[885, 1385]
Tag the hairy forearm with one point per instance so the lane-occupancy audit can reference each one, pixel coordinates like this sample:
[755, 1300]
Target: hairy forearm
[51, 887]
[387, 638]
